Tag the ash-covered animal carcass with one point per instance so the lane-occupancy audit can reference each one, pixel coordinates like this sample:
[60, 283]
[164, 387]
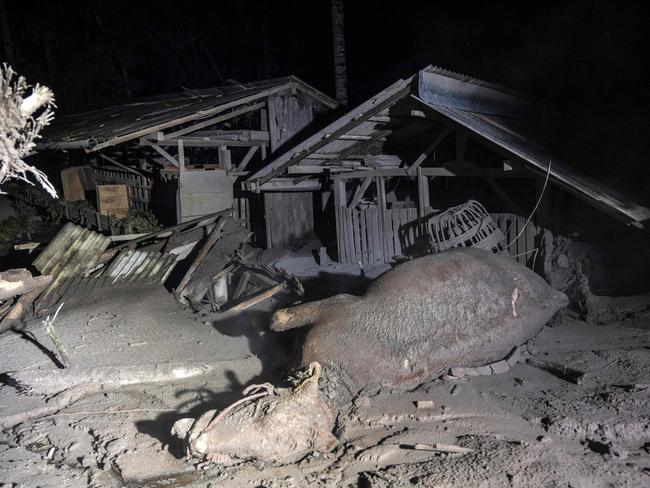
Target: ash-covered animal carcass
[462, 307]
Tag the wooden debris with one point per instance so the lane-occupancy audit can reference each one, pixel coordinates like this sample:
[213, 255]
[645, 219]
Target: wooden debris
[250, 302]
[441, 448]
[52, 381]
[213, 237]
[559, 370]
[20, 281]
[49, 330]
[497, 367]
[423, 404]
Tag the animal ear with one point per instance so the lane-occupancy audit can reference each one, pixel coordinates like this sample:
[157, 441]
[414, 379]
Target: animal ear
[309, 386]
[326, 442]
[181, 427]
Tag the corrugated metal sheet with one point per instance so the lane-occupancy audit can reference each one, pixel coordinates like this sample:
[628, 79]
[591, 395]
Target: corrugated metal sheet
[73, 252]
[509, 121]
[132, 265]
[129, 267]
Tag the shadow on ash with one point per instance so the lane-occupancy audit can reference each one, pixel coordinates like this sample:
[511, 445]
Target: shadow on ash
[464, 307]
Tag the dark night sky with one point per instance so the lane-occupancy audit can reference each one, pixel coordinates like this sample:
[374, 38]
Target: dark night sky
[587, 57]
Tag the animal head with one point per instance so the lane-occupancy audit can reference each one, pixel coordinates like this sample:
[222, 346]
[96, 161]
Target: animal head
[268, 424]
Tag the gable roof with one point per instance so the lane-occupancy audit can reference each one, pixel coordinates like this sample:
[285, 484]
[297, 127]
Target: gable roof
[105, 127]
[496, 116]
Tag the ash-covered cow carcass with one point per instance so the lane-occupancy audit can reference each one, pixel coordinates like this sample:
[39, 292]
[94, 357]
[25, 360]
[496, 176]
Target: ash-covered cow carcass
[458, 308]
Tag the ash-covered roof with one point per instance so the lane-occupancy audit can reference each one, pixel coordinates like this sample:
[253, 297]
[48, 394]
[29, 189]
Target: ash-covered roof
[518, 128]
[105, 127]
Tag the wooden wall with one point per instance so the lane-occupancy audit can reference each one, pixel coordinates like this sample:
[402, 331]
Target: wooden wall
[289, 219]
[363, 238]
[288, 115]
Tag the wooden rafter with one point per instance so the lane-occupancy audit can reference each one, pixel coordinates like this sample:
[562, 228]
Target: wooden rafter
[361, 190]
[428, 150]
[247, 158]
[214, 120]
[341, 126]
[165, 154]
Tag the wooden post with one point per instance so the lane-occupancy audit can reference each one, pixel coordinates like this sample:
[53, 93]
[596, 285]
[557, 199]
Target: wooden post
[181, 155]
[225, 161]
[264, 125]
[381, 203]
[424, 202]
[339, 207]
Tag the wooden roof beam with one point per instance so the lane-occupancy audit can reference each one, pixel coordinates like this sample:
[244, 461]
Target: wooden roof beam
[412, 170]
[341, 126]
[214, 120]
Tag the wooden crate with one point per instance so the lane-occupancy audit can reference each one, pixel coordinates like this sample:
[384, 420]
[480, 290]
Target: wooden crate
[113, 200]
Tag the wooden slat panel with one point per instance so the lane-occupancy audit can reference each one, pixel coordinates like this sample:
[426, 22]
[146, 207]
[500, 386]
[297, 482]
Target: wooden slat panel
[354, 234]
[349, 243]
[395, 223]
[374, 226]
[340, 233]
[388, 234]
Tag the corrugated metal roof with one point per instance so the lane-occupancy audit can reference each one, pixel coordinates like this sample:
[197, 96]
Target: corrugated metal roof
[72, 252]
[118, 123]
[512, 123]
[497, 115]
[132, 265]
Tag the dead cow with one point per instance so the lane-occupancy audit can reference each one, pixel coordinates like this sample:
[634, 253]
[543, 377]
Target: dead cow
[461, 307]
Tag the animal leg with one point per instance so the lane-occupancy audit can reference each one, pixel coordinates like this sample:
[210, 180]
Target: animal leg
[305, 313]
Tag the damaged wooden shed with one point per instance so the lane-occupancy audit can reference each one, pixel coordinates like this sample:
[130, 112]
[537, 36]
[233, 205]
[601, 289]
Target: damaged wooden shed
[383, 174]
[180, 155]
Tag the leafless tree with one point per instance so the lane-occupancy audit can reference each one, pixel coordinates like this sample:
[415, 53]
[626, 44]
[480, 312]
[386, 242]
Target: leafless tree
[24, 111]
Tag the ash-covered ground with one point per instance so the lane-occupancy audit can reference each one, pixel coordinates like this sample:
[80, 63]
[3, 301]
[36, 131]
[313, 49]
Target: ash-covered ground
[524, 427]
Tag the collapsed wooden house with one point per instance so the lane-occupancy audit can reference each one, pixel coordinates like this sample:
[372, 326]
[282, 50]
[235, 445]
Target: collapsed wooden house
[180, 155]
[381, 173]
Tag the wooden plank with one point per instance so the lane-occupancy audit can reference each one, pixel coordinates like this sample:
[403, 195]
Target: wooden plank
[361, 190]
[360, 146]
[225, 160]
[247, 158]
[381, 204]
[113, 200]
[357, 236]
[423, 193]
[72, 188]
[378, 250]
[390, 243]
[344, 234]
[440, 171]
[396, 242]
[165, 154]
[117, 163]
[181, 155]
[349, 249]
[214, 120]
[200, 115]
[364, 236]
